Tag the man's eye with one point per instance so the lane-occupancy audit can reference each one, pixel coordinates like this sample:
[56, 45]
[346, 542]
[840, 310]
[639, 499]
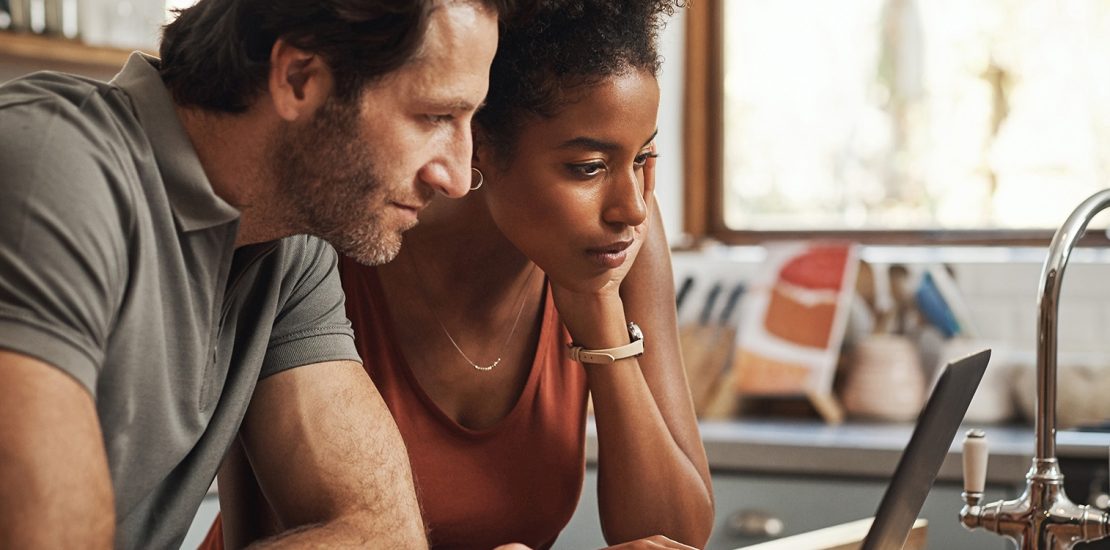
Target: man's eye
[587, 169]
[439, 119]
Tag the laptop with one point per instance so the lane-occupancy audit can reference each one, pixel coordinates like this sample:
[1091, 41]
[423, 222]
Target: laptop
[917, 468]
[932, 437]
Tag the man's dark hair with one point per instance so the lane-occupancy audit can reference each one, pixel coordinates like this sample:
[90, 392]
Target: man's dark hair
[216, 54]
[556, 48]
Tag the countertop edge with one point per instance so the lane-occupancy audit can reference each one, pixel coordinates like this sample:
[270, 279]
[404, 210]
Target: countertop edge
[862, 450]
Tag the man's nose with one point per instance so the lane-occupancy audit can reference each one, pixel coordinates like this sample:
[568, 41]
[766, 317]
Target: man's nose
[445, 179]
[450, 174]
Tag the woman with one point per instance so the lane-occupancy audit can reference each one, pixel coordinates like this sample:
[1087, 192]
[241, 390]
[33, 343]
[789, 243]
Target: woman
[463, 333]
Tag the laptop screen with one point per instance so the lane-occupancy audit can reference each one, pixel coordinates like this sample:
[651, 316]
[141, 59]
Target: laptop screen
[932, 437]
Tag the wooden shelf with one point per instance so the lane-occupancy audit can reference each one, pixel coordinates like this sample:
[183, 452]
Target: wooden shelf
[54, 50]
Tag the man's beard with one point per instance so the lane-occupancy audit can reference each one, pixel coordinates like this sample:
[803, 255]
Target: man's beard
[330, 186]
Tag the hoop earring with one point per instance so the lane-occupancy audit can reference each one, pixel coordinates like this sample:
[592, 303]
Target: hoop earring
[481, 179]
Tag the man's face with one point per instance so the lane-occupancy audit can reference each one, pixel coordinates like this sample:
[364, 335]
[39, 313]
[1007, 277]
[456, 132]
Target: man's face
[357, 174]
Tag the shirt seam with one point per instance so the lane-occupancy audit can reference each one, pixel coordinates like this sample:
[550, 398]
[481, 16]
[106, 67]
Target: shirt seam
[330, 330]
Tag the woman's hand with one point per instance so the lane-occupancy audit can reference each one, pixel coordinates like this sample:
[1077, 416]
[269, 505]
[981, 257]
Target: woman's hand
[649, 543]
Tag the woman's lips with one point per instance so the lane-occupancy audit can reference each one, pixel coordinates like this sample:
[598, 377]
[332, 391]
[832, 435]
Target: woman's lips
[610, 256]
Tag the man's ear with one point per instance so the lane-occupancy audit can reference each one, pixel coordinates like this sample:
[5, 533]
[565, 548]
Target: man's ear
[300, 81]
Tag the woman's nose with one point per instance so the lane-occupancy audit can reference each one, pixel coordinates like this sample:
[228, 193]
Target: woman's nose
[626, 204]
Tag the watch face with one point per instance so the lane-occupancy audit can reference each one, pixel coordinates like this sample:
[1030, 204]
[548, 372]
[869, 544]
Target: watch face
[635, 332]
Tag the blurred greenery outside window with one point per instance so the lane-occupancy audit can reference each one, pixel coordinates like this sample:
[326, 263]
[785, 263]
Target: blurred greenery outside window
[912, 114]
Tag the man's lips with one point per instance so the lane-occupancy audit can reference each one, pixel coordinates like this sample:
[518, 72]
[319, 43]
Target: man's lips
[416, 207]
[410, 211]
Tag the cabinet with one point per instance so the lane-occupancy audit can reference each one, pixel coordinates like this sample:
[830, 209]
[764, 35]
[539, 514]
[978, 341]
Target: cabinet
[802, 504]
[22, 53]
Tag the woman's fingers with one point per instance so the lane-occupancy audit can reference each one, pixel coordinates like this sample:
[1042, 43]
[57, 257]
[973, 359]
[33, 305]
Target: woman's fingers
[651, 543]
[649, 173]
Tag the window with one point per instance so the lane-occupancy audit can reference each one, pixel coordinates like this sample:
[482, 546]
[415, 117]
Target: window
[881, 119]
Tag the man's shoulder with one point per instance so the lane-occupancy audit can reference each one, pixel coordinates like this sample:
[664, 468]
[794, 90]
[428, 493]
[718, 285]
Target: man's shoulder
[51, 86]
[65, 150]
[52, 102]
[304, 252]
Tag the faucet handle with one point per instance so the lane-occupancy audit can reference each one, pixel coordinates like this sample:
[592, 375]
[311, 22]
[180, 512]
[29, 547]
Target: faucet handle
[975, 454]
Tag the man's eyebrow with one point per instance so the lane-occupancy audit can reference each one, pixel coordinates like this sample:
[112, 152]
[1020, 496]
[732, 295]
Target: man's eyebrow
[454, 105]
[594, 144]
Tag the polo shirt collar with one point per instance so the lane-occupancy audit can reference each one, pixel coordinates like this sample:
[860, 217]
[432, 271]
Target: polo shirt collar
[195, 205]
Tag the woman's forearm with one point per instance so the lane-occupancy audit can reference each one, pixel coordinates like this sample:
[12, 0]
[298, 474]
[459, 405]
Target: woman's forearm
[647, 484]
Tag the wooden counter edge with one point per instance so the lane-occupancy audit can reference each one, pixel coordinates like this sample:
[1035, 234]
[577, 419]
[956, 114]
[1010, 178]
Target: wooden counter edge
[846, 536]
[31, 47]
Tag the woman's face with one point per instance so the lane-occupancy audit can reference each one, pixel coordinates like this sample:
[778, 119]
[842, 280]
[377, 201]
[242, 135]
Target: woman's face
[572, 195]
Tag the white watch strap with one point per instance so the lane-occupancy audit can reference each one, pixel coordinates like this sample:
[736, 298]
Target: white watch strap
[605, 356]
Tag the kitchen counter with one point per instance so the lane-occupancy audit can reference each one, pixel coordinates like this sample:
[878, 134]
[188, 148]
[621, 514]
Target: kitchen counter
[870, 450]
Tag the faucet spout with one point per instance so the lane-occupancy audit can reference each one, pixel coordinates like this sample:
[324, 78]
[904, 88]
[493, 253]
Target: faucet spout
[1043, 517]
[1048, 309]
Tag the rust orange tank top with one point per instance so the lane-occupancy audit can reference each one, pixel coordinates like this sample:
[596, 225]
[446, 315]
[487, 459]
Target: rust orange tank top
[518, 481]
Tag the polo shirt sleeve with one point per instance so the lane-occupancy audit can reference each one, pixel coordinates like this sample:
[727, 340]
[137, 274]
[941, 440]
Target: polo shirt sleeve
[62, 245]
[311, 326]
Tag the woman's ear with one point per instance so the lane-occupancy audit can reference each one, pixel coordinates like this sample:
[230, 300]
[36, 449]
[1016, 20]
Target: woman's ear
[488, 155]
[300, 81]
[480, 157]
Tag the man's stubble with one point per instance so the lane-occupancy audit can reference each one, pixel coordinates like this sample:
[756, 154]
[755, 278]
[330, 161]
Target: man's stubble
[331, 187]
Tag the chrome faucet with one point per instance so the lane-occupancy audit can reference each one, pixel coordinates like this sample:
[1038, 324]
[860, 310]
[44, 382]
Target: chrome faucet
[1042, 517]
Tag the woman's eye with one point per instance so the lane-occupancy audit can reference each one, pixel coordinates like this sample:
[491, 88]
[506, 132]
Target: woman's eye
[587, 169]
[642, 158]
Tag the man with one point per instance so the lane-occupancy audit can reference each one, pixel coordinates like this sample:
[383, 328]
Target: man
[151, 285]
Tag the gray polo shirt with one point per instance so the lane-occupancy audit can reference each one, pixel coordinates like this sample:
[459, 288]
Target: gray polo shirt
[118, 266]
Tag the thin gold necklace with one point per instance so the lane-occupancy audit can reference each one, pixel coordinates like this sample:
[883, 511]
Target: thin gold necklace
[509, 336]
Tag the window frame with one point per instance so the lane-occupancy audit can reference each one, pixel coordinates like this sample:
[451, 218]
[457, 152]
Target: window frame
[703, 175]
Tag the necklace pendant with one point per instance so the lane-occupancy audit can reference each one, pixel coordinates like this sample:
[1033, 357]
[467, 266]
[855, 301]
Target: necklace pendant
[512, 330]
[487, 367]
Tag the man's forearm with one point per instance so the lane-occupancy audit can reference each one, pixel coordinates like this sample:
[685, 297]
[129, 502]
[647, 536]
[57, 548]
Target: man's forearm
[349, 532]
[327, 455]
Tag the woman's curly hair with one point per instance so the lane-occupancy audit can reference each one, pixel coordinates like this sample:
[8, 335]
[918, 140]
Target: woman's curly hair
[548, 53]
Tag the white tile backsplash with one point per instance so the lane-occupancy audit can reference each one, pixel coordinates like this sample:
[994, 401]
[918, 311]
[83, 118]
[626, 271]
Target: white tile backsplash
[995, 318]
[1008, 280]
[999, 285]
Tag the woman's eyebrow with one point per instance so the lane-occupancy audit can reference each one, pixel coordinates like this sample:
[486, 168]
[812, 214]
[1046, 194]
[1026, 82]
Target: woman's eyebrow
[594, 144]
[589, 143]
